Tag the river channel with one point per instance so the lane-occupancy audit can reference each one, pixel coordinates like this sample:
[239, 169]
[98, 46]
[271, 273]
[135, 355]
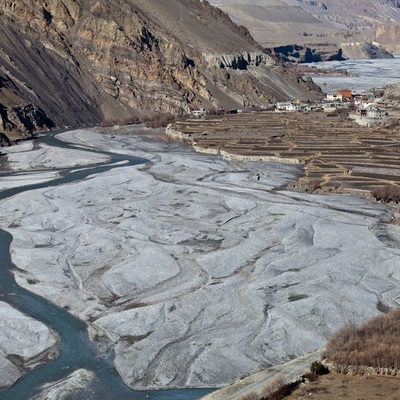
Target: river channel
[358, 75]
[76, 350]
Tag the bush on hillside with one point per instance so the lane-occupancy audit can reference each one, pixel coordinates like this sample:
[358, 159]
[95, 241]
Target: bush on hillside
[276, 389]
[373, 344]
[160, 121]
[250, 396]
[317, 368]
[387, 193]
[123, 121]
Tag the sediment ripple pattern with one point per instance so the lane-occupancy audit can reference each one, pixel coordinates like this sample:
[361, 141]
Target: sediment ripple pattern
[194, 269]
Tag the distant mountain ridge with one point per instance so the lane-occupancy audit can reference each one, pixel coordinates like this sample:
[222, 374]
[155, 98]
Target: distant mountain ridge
[320, 30]
[85, 61]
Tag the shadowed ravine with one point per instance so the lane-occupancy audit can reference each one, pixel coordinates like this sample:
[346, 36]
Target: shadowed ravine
[76, 350]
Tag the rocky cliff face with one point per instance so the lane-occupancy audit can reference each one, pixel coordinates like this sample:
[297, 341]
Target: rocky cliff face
[21, 121]
[309, 53]
[391, 93]
[84, 61]
[389, 37]
[363, 50]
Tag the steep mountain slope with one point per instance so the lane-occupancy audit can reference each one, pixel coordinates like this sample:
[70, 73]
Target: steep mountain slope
[388, 36]
[81, 61]
[272, 22]
[317, 30]
[352, 14]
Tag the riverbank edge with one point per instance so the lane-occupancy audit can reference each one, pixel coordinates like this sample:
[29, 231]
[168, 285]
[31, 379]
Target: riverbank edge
[180, 136]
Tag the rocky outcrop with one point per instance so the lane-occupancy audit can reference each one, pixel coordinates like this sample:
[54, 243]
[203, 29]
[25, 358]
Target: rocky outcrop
[331, 52]
[85, 61]
[391, 93]
[308, 53]
[22, 121]
[359, 50]
[240, 60]
[389, 37]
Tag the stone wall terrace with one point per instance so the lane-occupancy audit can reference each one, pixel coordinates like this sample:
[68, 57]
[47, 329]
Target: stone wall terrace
[335, 150]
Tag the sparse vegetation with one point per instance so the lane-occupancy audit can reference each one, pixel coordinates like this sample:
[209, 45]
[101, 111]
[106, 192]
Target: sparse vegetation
[373, 344]
[277, 389]
[160, 121]
[340, 112]
[250, 396]
[154, 121]
[312, 186]
[125, 121]
[215, 111]
[317, 368]
[387, 193]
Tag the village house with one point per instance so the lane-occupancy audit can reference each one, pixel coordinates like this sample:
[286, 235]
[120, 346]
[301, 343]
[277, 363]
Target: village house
[340, 95]
[199, 113]
[369, 115]
[334, 97]
[294, 106]
[346, 94]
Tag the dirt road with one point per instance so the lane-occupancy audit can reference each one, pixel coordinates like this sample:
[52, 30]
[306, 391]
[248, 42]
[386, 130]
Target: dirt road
[254, 383]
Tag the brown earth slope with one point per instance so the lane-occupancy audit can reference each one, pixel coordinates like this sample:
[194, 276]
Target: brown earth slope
[85, 61]
[318, 30]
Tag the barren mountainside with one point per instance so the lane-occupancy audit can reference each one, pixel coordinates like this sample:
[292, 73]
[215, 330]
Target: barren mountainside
[389, 36]
[331, 29]
[81, 62]
[361, 15]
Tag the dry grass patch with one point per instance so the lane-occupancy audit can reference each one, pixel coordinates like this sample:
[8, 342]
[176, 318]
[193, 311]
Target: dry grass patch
[336, 386]
[374, 344]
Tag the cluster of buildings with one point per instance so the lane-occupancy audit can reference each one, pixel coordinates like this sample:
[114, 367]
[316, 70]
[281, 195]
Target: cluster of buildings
[366, 110]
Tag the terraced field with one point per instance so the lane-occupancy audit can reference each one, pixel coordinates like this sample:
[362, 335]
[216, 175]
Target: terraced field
[338, 154]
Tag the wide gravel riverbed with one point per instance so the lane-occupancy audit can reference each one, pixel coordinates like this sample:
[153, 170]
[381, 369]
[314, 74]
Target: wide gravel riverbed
[189, 268]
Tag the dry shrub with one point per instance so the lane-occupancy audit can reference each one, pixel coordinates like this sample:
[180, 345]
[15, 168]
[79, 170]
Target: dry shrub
[160, 121]
[317, 368]
[342, 112]
[215, 111]
[250, 396]
[122, 121]
[313, 186]
[273, 386]
[373, 344]
[310, 376]
[387, 193]
[278, 389]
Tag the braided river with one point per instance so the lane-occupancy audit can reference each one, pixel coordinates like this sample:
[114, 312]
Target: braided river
[76, 350]
[173, 272]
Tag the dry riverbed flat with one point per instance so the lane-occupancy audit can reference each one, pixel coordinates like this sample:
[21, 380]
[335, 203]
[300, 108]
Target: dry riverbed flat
[195, 269]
